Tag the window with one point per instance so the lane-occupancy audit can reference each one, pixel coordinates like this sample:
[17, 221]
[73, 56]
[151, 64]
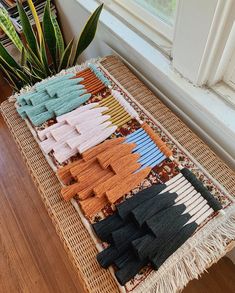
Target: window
[229, 76]
[226, 87]
[152, 19]
[159, 15]
[222, 79]
[197, 35]
[163, 9]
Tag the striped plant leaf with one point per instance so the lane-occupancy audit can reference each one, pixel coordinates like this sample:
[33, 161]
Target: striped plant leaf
[36, 20]
[15, 72]
[14, 84]
[44, 59]
[8, 28]
[24, 76]
[11, 66]
[88, 33]
[27, 29]
[59, 38]
[34, 77]
[33, 59]
[38, 72]
[65, 60]
[23, 57]
[7, 57]
[49, 33]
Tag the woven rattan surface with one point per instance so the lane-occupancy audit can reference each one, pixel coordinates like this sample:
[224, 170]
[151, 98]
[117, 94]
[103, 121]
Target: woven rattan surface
[73, 234]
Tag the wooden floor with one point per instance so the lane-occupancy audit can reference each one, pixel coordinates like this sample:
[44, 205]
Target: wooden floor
[32, 258]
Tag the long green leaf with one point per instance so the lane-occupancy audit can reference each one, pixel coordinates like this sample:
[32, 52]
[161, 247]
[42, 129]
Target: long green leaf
[15, 72]
[14, 84]
[24, 76]
[49, 32]
[27, 29]
[7, 26]
[36, 20]
[88, 33]
[31, 74]
[44, 59]
[23, 57]
[59, 38]
[19, 74]
[36, 61]
[38, 72]
[7, 57]
[65, 60]
[10, 65]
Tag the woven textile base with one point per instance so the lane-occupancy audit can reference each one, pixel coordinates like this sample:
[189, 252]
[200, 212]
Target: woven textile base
[74, 235]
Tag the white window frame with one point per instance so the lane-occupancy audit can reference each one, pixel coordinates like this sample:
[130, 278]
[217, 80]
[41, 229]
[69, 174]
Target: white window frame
[205, 53]
[197, 38]
[155, 30]
[223, 80]
[147, 18]
[229, 76]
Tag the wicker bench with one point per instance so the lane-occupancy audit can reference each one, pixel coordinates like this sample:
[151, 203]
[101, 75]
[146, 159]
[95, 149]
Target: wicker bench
[76, 239]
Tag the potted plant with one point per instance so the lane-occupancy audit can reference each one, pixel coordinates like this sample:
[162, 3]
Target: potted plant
[44, 43]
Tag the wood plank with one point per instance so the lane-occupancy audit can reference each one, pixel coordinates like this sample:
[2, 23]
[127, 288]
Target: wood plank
[219, 279]
[34, 259]
[5, 89]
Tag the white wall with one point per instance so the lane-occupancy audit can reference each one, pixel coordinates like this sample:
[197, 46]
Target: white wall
[73, 18]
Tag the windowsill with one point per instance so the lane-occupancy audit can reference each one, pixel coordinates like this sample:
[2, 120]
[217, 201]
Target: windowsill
[203, 110]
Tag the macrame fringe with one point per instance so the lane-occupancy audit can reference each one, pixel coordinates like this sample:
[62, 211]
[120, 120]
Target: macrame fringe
[202, 250]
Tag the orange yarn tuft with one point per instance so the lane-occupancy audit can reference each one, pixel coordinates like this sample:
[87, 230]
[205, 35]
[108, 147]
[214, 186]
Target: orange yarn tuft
[100, 189]
[64, 172]
[127, 169]
[117, 165]
[88, 191]
[93, 205]
[93, 152]
[126, 185]
[94, 92]
[84, 72]
[90, 179]
[69, 191]
[114, 153]
[90, 171]
[76, 170]
[162, 146]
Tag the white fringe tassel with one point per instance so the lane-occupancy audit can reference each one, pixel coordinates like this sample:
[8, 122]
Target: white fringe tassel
[203, 249]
